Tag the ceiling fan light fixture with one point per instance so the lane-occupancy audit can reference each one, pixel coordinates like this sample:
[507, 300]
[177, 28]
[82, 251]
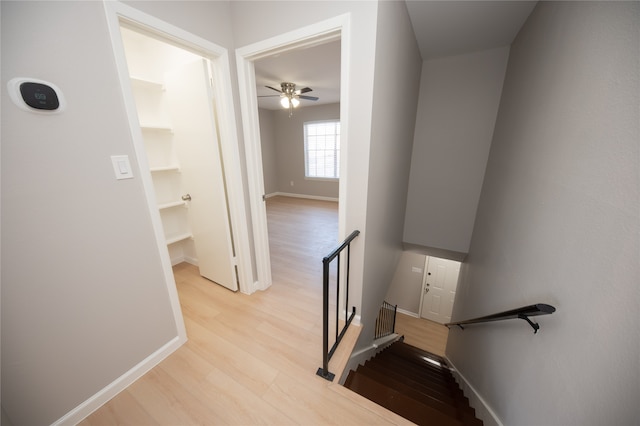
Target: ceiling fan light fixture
[295, 102]
[284, 101]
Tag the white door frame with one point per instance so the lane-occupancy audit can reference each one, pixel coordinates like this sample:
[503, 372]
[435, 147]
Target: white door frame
[321, 32]
[118, 13]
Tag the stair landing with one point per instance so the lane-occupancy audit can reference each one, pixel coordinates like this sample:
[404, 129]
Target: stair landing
[414, 384]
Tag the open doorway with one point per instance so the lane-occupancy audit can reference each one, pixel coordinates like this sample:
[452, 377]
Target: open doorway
[211, 61]
[304, 38]
[300, 149]
[174, 104]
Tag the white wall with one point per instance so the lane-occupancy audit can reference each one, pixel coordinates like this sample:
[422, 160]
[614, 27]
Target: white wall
[83, 294]
[558, 223]
[393, 121]
[459, 97]
[289, 134]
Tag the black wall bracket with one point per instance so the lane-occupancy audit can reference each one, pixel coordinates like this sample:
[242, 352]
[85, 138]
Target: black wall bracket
[535, 326]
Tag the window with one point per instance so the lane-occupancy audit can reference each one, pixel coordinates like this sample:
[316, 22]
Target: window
[322, 149]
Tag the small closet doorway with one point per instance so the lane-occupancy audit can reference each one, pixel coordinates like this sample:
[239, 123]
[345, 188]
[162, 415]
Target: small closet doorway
[174, 98]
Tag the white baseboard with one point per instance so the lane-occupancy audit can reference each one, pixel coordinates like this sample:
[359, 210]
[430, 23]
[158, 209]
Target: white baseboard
[180, 259]
[356, 320]
[362, 355]
[411, 314]
[308, 197]
[483, 410]
[343, 315]
[83, 410]
[191, 260]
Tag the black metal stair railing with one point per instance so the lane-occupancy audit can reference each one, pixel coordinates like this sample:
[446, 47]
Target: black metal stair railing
[326, 263]
[521, 313]
[386, 321]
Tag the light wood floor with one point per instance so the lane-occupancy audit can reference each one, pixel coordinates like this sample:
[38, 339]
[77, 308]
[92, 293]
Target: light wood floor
[252, 359]
[422, 333]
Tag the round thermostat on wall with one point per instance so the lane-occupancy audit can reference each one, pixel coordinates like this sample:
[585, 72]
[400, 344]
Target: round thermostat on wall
[35, 95]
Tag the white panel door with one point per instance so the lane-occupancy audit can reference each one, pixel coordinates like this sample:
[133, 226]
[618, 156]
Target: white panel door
[439, 289]
[190, 99]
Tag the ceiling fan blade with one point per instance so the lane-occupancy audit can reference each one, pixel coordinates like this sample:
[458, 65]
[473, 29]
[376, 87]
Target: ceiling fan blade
[272, 88]
[269, 96]
[309, 98]
[304, 90]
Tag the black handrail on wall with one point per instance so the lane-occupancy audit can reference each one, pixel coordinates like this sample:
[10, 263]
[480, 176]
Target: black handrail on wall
[522, 313]
[326, 262]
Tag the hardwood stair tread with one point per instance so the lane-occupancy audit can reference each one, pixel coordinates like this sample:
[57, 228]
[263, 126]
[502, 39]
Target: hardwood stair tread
[400, 404]
[445, 406]
[413, 368]
[414, 375]
[400, 346]
[410, 353]
[414, 384]
[442, 394]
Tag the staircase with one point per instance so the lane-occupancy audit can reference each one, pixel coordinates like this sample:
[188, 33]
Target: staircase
[414, 384]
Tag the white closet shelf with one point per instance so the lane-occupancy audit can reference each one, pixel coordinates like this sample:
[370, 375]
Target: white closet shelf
[146, 83]
[156, 127]
[180, 237]
[170, 168]
[171, 204]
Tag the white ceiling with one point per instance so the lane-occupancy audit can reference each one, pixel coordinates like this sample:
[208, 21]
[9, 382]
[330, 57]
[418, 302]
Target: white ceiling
[316, 67]
[442, 28]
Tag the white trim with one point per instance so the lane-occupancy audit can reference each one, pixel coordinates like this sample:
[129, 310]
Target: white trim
[411, 314]
[356, 320]
[424, 281]
[318, 33]
[96, 401]
[362, 355]
[180, 259]
[483, 411]
[308, 197]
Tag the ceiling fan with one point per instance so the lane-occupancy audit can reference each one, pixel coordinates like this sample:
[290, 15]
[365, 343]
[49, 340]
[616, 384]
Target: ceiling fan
[289, 96]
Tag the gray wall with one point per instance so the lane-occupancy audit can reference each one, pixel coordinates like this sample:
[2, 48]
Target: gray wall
[285, 135]
[269, 150]
[83, 294]
[458, 104]
[406, 286]
[558, 223]
[393, 121]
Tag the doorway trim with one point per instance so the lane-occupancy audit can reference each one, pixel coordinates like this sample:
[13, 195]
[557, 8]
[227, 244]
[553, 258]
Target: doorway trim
[337, 28]
[118, 14]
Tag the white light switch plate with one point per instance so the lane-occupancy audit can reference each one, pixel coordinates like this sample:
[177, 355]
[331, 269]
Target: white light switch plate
[121, 166]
